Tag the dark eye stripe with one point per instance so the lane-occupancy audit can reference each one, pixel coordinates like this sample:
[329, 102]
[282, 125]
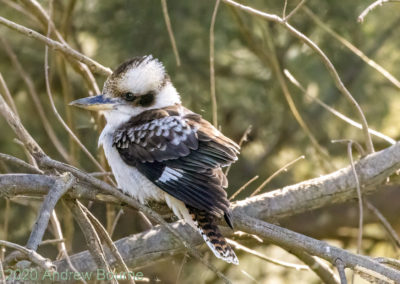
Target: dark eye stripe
[146, 100]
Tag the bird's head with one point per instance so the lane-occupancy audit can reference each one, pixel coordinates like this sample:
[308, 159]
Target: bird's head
[135, 86]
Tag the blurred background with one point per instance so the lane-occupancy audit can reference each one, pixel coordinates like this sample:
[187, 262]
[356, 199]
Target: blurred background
[250, 100]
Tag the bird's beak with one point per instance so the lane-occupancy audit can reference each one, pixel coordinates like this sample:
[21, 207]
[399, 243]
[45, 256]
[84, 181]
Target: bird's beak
[96, 103]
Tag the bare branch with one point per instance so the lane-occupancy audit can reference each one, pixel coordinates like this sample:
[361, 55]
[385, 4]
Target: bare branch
[271, 177]
[285, 90]
[336, 187]
[2, 276]
[281, 236]
[241, 141]
[51, 241]
[359, 196]
[340, 267]
[55, 45]
[320, 268]
[91, 237]
[339, 84]
[32, 255]
[294, 81]
[212, 69]
[8, 95]
[294, 11]
[170, 32]
[238, 246]
[390, 261]
[60, 119]
[243, 187]
[371, 7]
[353, 48]
[115, 222]
[20, 163]
[62, 184]
[156, 244]
[35, 98]
[107, 239]
[392, 233]
[18, 128]
[35, 8]
[62, 250]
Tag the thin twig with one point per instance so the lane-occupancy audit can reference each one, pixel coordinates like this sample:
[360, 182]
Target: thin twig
[360, 201]
[61, 245]
[67, 96]
[285, 90]
[178, 275]
[17, 7]
[5, 226]
[338, 82]
[241, 247]
[170, 32]
[389, 229]
[35, 98]
[57, 232]
[284, 9]
[35, 8]
[14, 108]
[107, 239]
[7, 94]
[60, 187]
[51, 241]
[2, 276]
[243, 187]
[371, 7]
[55, 45]
[350, 144]
[302, 2]
[146, 220]
[92, 239]
[242, 140]
[353, 48]
[390, 261]
[20, 163]
[115, 222]
[32, 255]
[60, 119]
[340, 267]
[283, 169]
[212, 69]
[322, 270]
[245, 135]
[101, 174]
[294, 81]
[16, 125]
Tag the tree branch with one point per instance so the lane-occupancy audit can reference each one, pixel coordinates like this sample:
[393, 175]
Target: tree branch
[336, 187]
[331, 68]
[55, 45]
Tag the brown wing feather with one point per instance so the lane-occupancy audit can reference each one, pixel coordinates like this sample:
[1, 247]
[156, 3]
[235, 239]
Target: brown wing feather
[189, 147]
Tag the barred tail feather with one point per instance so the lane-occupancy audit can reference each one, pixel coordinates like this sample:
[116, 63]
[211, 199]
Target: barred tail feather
[206, 224]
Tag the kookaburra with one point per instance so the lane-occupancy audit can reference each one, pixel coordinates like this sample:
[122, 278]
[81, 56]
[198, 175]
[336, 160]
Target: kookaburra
[159, 150]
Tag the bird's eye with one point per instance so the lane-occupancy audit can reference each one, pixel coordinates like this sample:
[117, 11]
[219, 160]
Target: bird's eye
[129, 97]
